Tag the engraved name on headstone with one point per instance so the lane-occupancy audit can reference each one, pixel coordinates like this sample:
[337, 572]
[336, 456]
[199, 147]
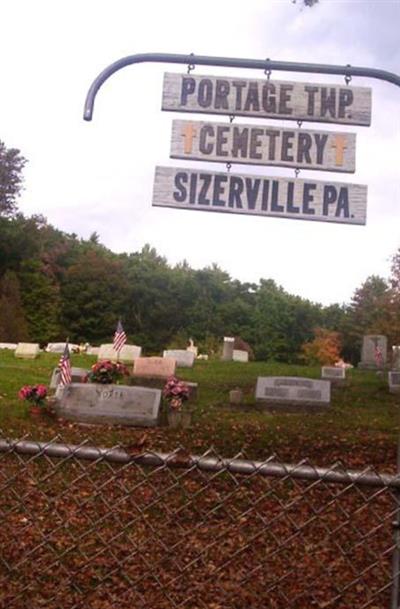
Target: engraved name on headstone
[293, 394]
[110, 404]
[184, 358]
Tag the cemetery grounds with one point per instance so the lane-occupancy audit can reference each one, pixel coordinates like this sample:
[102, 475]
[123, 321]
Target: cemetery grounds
[169, 532]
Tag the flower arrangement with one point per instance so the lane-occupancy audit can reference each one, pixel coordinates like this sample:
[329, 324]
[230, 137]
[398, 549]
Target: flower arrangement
[107, 372]
[35, 394]
[175, 392]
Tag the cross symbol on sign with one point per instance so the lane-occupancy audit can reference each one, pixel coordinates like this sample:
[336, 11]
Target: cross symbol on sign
[340, 147]
[189, 133]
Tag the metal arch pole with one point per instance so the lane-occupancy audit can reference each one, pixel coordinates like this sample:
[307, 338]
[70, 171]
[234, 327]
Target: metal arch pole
[283, 66]
[231, 62]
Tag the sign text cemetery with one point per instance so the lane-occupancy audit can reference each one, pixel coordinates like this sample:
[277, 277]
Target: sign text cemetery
[263, 145]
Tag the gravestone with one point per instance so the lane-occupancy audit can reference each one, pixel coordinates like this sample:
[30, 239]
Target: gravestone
[240, 356]
[394, 381]
[110, 404]
[192, 348]
[227, 351]
[27, 350]
[127, 355]
[374, 352]
[395, 357]
[235, 396]
[93, 351]
[334, 374]
[154, 367]
[77, 374]
[60, 348]
[11, 346]
[184, 358]
[293, 394]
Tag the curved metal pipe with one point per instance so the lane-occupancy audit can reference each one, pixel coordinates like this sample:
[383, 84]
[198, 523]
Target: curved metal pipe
[231, 62]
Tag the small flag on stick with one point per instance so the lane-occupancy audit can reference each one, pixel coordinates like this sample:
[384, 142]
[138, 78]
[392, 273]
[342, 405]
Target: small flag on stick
[64, 366]
[119, 337]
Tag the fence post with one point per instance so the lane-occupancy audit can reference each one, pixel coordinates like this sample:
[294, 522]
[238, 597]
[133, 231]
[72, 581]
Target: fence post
[395, 601]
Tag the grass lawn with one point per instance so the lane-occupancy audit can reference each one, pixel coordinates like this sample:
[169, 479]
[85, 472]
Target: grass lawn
[361, 428]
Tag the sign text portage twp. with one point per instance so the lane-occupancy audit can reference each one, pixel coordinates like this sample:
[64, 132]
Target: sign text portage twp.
[264, 145]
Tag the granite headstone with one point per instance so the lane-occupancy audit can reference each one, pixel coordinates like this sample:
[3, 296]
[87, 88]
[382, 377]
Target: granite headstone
[154, 367]
[240, 356]
[110, 404]
[227, 350]
[293, 394]
[374, 352]
[394, 381]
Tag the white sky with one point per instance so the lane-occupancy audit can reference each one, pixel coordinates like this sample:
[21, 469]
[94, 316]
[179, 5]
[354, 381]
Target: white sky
[98, 176]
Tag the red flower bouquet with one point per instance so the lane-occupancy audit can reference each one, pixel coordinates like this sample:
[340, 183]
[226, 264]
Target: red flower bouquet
[107, 372]
[175, 392]
[35, 394]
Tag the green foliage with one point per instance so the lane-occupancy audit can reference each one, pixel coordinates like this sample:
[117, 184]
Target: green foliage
[11, 166]
[13, 325]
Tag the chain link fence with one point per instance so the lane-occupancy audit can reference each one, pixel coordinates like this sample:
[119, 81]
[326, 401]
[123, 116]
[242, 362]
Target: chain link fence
[99, 528]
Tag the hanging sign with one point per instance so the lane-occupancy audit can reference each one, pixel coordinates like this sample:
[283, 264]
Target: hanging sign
[263, 145]
[260, 195]
[262, 98]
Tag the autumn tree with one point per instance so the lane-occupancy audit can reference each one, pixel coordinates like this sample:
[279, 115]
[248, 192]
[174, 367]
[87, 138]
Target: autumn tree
[324, 349]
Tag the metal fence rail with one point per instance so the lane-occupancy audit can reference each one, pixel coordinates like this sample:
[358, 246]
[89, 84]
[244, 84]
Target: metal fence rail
[100, 528]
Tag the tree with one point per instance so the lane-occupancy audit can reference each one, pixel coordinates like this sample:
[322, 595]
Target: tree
[13, 326]
[11, 166]
[324, 349]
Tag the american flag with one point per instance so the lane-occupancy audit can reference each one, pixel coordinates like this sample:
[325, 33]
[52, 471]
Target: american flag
[119, 337]
[378, 356]
[64, 366]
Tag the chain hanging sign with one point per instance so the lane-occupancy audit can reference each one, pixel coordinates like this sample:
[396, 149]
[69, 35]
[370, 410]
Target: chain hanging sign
[262, 98]
[258, 195]
[263, 145]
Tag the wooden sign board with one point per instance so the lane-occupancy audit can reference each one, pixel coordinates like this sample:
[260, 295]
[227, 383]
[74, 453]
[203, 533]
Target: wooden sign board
[184, 188]
[263, 145]
[264, 98]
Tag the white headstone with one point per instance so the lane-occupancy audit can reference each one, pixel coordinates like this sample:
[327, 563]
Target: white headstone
[27, 350]
[184, 358]
[11, 346]
[394, 381]
[240, 356]
[93, 351]
[127, 355]
[110, 404]
[293, 394]
[59, 348]
[227, 352]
